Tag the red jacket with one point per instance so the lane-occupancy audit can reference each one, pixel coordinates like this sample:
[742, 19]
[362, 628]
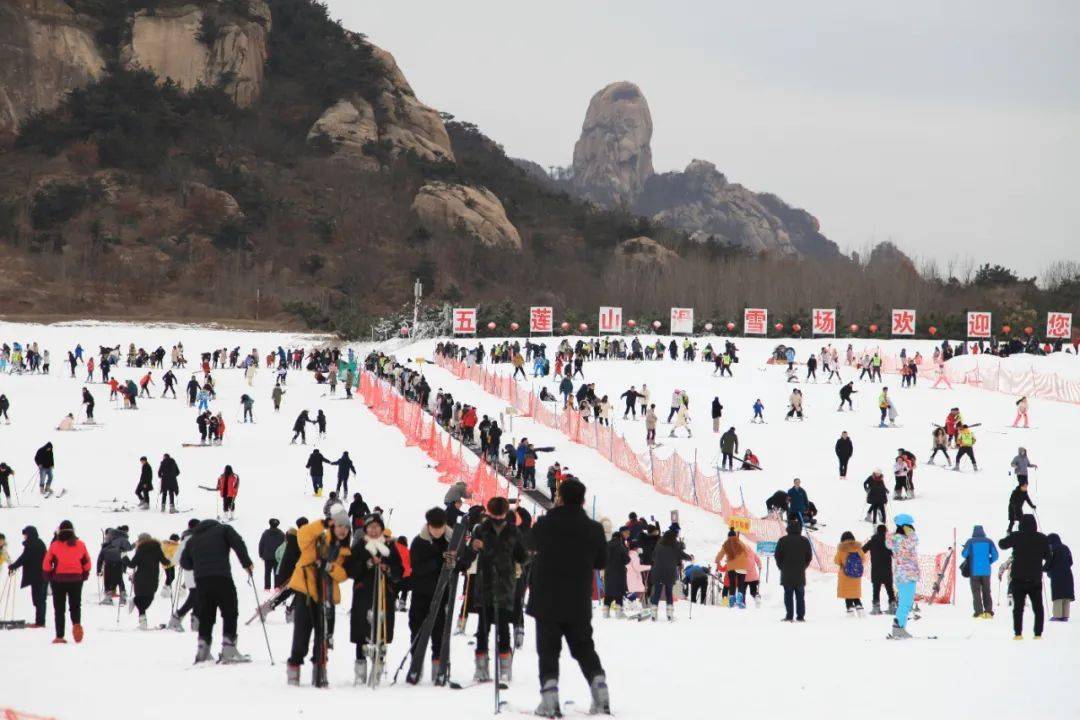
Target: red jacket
[229, 485]
[145, 381]
[67, 559]
[469, 418]
[406, 560]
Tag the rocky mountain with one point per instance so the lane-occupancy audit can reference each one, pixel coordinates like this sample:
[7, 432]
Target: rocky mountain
[613, 166]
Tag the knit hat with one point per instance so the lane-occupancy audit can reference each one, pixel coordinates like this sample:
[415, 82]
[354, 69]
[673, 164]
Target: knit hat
[339, 515]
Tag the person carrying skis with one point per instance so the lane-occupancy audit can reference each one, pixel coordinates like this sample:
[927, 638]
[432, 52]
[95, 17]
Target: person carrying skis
[1021, 464]
[850, 561]
[979, 555]
[941, 444]
[370, 556]
[146, 483]
[428, 553]
[315, 463]
[147, 562]
[169, 487]
[206, 555]
[905, 549]
[1017, 499]
[729, 445]
[228, 486]
[569, 549]
[498, 549]
[881, 575]
[877, 495]
[844, 450]
[1031, 551]
[965, 443]
[270, 540]
[846, 391]
[66, 567]
[30, 562]
[319, 570]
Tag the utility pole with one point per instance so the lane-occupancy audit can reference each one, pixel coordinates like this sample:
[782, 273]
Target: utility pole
[418, 293]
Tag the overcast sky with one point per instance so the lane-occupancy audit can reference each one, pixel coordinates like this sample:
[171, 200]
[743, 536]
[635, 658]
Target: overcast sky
[951, 128]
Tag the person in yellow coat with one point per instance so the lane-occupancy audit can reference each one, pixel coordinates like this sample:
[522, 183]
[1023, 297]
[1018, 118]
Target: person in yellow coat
[851, 562]
[324, 548]
[169, 547]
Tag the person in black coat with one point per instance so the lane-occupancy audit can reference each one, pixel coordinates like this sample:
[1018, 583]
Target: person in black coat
[1017, 499]
[793, 555]
[168, 472]
[30, 561]
[314, 465]
[269, 542]
[358, 510]
[569, 549]
[300, 428]
[846, 392]
[344, 467]
[428, 552]
[147, 562]
[777, 503]
[371, 555]
[844, 450]
[618, 557]
[146, 483]
[1031, 551]
[1059, 570]
[877, 495]
[881, 567]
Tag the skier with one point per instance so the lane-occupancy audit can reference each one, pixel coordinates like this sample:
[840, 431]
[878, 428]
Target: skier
[905, 548]
[1017, 500]
[168, 486]
[844, 450]
[314, 465]
[618, 557]
[729, 445]
[320, 422]
[110, 564]
[371, 556]
[45, 462]
[319, 570]
[1031, 550]
[5, 482]
[850, 559]
[793, 555]
[206, 555]
[146, 484]
[1021, 411]
[569, 548]
[344, 467]
[270, 540]
[941, 444]
[247, 403]
[884, 405]
[30, 562]
[759, 408]
[144, 385]
[717, 413]
[979, 555]
[1021, 464]
[88, 403]
[682, 420]
[846, 391]
[811, 368]
[776, 505]
[276, 395]
[66, 567]
[300, 427]
[877, 495]
[965, 443]
[881, 575]
[147, 562]
[496, 547]
[428, 553]
[228, 486]
[5, 405]
[736, 558]
[900, 475]
[666, 558]
[169, 378]
[651, 421]
[798, 502]
[1059, 569]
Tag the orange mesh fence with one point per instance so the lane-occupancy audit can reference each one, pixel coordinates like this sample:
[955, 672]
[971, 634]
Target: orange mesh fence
[673, 475]
[8, 714]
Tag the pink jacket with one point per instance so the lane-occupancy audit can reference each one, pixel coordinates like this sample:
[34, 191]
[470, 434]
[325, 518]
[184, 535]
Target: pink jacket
[634, 582]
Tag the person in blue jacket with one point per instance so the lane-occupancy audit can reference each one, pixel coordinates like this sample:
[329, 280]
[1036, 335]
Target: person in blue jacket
[798, 501]
[1059, 569]
[980, 553]
[789, 354]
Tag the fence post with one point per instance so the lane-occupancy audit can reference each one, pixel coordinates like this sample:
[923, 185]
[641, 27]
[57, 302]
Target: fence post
[652, 467]
[693, 479]
[611, 444]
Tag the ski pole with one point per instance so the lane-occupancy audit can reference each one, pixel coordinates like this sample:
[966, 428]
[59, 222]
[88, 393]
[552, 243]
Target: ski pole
[262, 620]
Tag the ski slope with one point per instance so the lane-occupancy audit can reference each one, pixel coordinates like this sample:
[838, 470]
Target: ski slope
[716, 662]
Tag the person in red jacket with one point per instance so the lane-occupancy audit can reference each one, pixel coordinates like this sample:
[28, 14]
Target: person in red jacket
[67, 566]
[228, 485]
[406, 567]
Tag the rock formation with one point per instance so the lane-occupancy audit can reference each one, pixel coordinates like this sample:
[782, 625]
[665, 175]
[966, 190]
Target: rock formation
[474, 212]
[613, 158]
[643, 252]
[46, 50]
[173, 43]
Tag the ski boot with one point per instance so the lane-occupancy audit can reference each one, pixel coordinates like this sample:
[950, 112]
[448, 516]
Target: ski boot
[175, 624]
[229, 653]
[288, 615]
[203, 653]
[172, 509]
[519, 634]
[436, 666]
[142, 623]
[360, 672]
[876, 609]
[483, 670]
[401, 604]
[601, 703]
[318, 675]
[162, 506]
[506, 667]
[619, 614]
[292, 674]
[670, 612]
[194, 623]
[107, 600]
[549, 706]
[899, 633]
[731, 600]
[740, 601]
[606, 612]
[892, 607]
[858, 611]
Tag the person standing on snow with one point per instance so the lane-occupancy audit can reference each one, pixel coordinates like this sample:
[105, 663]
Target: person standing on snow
[228, 487]
[66, 567]
[844, 450]
[717, 413]
[877, 495]
[850, 561]
[729, 445]
[45, 462]
[344, 467]
[146, 483]
[88, 402]
[270, 540]
[980, 554]
[1058, 569]
[881, 575]
[846, 391]
[1021, 411]
[793, 555]
[650, 425]
[147, 562]
[798, 502]
[276, 395]
[1017, 500]
[300, 427]
[905, 549]
[1020, 465]
[1031, 550]
[965, 443]
[941, 445]
[169, 486]
[30, 561]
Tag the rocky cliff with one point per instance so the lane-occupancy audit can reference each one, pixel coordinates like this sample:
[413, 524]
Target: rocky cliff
[613, 166]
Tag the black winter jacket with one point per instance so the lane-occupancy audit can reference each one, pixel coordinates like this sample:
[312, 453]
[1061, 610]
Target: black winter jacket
[569, 548]
[880, 558]
[793, 555]
[269, 542]
[147, 561]
[33, 555]
[206, 553]
[1031, 550]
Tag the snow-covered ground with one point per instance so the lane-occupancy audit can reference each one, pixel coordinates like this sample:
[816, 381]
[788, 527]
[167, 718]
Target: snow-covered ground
[719, 661]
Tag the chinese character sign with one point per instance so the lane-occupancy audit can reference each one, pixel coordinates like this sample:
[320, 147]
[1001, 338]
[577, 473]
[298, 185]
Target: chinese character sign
[682, 320]
[903, 322]
[1058, 326]
[541, 320]
[824, 321]
[978, 324]
[610, 320]
[755, 321]
[464, 321]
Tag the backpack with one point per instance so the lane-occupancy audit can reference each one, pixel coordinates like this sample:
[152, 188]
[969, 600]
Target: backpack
[853, 565]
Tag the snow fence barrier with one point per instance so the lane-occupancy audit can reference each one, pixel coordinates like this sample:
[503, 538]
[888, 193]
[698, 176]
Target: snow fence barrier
[675, 476]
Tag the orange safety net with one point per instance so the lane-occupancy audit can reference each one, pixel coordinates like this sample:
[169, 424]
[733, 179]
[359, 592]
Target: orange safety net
[9, 714]
[673, 475]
